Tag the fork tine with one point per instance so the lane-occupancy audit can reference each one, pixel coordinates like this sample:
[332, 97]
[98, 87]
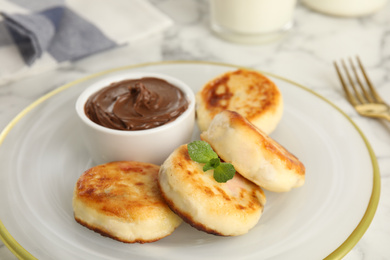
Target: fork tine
[350, 98]
[372, 89]
[363, 89]
[351, 82]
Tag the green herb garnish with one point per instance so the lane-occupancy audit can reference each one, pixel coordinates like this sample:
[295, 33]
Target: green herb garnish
[201, 152]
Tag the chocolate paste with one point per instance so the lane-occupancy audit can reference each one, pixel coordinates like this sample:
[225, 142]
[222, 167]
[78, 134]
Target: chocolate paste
[136, 104]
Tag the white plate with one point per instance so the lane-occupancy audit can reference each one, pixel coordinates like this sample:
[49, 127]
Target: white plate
[42, 155]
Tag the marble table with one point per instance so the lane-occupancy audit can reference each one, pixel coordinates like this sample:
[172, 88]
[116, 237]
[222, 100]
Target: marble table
[305, 56]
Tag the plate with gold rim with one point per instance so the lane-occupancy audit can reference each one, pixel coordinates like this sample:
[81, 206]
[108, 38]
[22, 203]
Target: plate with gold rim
[42, 155]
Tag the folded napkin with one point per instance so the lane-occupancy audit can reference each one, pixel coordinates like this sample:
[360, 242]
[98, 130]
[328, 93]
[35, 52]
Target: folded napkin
[38, 35]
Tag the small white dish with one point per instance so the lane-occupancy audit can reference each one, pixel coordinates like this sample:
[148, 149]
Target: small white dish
[150, 145]
[346, 8]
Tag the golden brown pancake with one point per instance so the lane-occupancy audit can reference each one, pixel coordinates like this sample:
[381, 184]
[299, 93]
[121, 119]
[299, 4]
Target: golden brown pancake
[253, 154]
[248, 92]
[122, 200]
[226, 209]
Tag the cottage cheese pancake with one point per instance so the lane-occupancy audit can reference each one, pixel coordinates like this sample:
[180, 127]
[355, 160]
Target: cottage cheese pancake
[255, 155]
[122, 200]
[248, 92]
[227, 209]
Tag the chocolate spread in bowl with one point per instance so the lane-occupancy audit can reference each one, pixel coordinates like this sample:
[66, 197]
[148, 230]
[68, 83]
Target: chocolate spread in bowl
[136, 104]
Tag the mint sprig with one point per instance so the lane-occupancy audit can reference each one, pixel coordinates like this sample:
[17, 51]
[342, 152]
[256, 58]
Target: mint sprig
[224, 172]
[201, 152]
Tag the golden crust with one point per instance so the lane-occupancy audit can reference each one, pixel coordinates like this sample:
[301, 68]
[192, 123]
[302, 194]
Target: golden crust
[110, 235]
[226, 209]
[254, 154]
[248, 92]
[271, 149]
[125, 193]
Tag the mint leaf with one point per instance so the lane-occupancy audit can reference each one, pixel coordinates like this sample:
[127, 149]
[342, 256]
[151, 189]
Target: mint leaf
[212, 164]
[224, 172]
[201, 151]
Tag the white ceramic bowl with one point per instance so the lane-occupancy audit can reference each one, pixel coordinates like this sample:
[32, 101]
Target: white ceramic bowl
[152, 145]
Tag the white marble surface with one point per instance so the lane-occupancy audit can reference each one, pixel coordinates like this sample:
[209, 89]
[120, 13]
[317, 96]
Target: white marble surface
[304, 56]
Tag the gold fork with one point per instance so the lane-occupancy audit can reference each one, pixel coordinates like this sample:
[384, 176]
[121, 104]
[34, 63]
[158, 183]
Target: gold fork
[364, 99]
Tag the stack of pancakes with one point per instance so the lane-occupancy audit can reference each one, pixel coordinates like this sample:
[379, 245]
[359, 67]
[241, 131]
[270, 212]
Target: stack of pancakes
[140, 202]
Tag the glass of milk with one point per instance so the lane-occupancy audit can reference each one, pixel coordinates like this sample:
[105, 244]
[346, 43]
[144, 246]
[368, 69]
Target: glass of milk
[251, 21]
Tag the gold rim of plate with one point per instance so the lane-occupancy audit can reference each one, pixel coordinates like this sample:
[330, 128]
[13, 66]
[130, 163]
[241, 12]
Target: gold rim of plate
[338, 253]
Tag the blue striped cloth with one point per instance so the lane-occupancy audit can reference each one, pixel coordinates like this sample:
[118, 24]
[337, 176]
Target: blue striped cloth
[38, 35]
